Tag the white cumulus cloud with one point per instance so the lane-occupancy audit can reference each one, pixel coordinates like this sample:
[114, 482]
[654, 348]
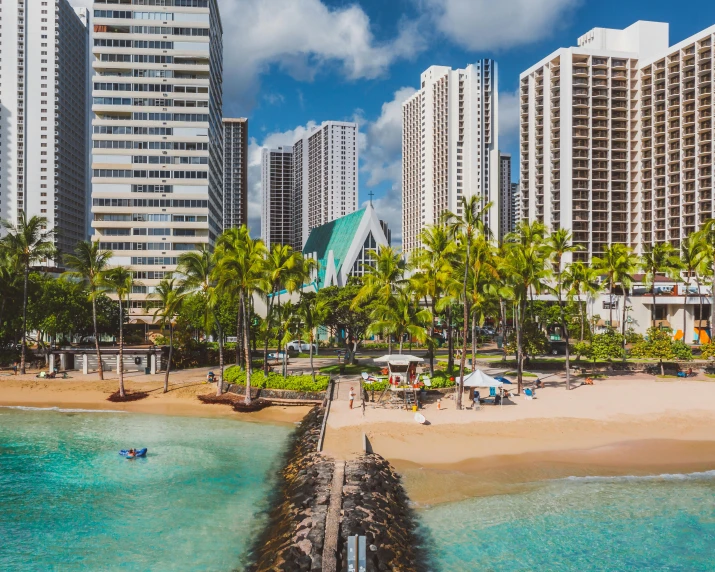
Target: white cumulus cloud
[488, 25]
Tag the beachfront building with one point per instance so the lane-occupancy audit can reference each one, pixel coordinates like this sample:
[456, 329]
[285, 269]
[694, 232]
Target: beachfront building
[277, 196]
[157, 184]
[235, 172]
[44, 113]
[515, 206]
[506, 206]
[342, 247]
[325, 177]
[616, 138]
[450, 143]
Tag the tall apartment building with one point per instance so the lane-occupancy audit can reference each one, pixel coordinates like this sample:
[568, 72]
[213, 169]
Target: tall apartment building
[326, 177]
[235, 172]
[43, 116]
[277, 176]
[616, 138]
[450, 145]
[157, 185]
[506, 207]
[515, 206]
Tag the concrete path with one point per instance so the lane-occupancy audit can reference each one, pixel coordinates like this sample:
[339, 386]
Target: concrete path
[332, 520]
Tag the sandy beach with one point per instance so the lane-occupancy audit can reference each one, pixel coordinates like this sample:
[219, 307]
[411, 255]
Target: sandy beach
[617, 426]
[88, 392]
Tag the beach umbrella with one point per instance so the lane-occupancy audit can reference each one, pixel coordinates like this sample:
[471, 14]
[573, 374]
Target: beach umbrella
[502, 379]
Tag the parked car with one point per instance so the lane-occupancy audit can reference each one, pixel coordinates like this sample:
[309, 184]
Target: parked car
[299, 346]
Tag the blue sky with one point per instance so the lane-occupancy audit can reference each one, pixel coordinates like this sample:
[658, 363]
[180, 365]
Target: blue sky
[288, 63]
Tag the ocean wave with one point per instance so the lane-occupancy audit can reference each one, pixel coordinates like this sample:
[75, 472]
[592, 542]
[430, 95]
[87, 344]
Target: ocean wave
[60, 409]
[662, 477]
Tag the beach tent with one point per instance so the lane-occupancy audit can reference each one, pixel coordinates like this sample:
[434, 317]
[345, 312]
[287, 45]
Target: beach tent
[480, 379]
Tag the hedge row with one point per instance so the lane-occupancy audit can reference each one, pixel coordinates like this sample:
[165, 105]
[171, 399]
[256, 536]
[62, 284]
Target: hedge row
[259, 380]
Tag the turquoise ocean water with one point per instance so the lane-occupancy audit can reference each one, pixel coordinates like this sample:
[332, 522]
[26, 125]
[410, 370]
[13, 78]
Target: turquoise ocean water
[68, 501]
[582, 524]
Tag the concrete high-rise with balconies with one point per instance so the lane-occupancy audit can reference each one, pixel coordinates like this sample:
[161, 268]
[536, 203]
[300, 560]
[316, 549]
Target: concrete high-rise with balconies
[43, 116]
[450, 145]
[277, 208]
[616, 138]
[235, 172]
[157, 184]
[506, 203]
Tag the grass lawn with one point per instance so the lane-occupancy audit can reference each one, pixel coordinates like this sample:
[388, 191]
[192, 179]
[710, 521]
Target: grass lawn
[665, 377]
[523, 374]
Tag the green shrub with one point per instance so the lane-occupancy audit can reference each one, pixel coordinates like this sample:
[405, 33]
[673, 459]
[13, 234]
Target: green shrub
[707, 351]
[682, 351]
[582, 349]
[607, 346]
[658, 344]
[259, 380]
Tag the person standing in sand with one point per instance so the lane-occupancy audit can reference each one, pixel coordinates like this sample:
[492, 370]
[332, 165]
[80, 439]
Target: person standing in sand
[352, 397]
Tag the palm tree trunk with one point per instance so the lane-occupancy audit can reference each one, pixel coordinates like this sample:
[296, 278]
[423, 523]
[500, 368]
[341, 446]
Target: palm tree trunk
[474, 339]
[219, 385]
[653, 311]
[450, 341]
[623, 321]
[96, 336]
[582, 313]
[519, 357]
[402, 337]
[268, 332]
[565, 329]
[239, 335]
[685, 312]
[24, 319]
[431, 337]
[246, 349]
[121, 350]
[312, 369]
[610, 305]
[700, 298]
[168, 363]
[464, 330]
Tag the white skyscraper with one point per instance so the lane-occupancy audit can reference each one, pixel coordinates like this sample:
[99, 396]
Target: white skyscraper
[43, 116]
[450, 145]
[587, 126]
[326, 177]
[235, 172]
[277, 196]
[157, 134]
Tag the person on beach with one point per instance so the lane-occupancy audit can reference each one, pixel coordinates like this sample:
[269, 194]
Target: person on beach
[352, 397]
[14, 367]
[476, 399]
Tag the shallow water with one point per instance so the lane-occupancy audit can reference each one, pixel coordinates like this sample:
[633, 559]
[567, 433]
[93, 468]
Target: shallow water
[68, 501]
[586, 524]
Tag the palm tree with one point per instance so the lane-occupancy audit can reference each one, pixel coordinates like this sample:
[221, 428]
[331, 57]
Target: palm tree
[382, 279]
[27, 243]
[483, 270]
[88, 264]
[580, 279]
[465, 227]
[558, 244]
[432, 262]
[617, 265]
[240, 272]
[401, 318]
[661, 258]
[692, 254]
[120, 281]
[171, 294]
[311, 313]
[197, 267]
[8, 282]
[280, 272]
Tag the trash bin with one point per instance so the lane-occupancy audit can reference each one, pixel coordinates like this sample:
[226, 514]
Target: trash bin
[147, 371]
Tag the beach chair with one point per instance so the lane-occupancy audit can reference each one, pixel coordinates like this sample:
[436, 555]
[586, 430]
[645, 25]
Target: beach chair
[427, 381]
[528, 394]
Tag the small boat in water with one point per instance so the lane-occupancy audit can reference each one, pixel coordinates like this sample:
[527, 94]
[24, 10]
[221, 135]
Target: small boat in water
[137, 453]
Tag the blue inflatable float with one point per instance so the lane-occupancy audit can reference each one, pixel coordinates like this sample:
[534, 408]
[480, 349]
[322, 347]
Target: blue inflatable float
[138, 453]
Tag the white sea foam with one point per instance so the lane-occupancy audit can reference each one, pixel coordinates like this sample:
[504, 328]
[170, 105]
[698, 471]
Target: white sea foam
[629, 478]
[60, 409]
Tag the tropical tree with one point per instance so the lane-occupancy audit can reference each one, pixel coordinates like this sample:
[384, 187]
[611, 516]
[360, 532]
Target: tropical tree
[661, 258]
[692, 254]
[707, 233]
[580, 279]
[8, 283]
[482, 272]
[88, 264]
[432, 262]
[311, 313]
[465, 227]
[280, 273]
[558, 244]
[119, 280]
[28, 242]
[197, 267]
[239, 271]
[171, 294]
[401, 318]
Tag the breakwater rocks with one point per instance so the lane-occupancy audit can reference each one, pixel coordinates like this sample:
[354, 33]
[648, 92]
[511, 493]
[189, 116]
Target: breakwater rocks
[294, 535]
[375, 505]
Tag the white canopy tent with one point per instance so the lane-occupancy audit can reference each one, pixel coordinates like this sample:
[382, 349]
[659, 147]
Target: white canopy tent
[399, 359]
[480, 379]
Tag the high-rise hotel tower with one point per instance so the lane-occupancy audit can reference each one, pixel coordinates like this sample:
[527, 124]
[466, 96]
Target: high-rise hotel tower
[616, 138]
[450, 145]
[43, 116]
[157, 158]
